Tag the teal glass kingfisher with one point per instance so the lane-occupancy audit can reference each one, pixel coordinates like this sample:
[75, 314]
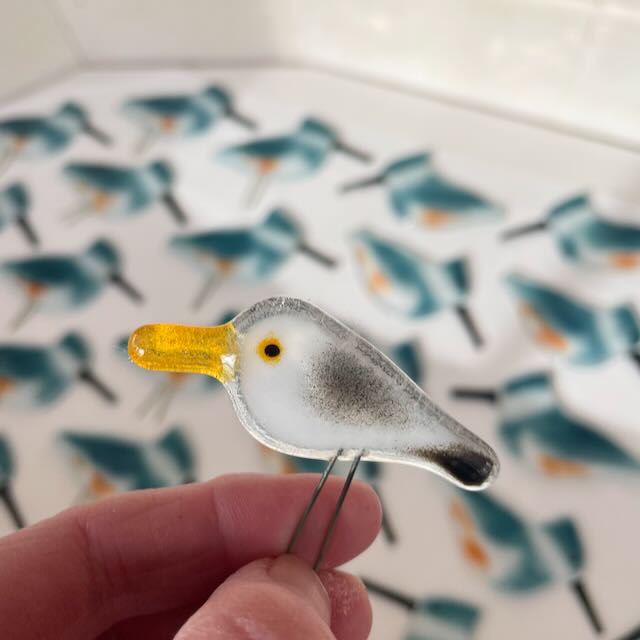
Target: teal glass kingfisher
[246, 255]
[181, 115]
[417, 192]
[109, 464]
[536, 429]
[116, 192]
[293, 156]
[15, 205]
[432, 617]
[585, 237]
[568, 328]
[68, 281]
[7, 471]
[411, 285]
[34, 137]
[170, 385]
[518, 557]
[33, 375]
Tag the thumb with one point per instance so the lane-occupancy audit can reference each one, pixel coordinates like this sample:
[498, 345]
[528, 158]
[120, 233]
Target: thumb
[270, 598]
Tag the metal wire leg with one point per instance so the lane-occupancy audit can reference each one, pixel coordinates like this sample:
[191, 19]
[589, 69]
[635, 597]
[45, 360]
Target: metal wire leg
[336, 512]
[314, 496]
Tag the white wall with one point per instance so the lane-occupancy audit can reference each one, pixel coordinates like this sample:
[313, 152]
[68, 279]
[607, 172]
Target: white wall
[33, 44]
[568, 62]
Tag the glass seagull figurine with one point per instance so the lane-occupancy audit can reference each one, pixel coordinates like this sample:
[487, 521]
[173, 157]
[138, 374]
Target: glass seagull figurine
[181, 115]
[571, 329]
[411, 285]
[539, 431]
[14, 209]
[68, 281]
[304, 384]
[32, 137]
[34, 375]
[585, 237]
[113, 192]
[292, 156]
[417, 192]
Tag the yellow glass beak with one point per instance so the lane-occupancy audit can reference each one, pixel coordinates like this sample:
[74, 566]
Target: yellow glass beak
[183, 349]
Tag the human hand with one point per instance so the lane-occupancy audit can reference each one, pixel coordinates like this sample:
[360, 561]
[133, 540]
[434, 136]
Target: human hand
[200, 561]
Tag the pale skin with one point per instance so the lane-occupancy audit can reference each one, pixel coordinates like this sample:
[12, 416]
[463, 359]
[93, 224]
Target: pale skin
[198, 562]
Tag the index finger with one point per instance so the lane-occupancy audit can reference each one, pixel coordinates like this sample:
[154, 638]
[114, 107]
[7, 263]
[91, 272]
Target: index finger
[79, 573]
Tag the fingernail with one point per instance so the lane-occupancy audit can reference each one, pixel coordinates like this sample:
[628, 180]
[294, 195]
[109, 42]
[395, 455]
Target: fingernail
[295, 575]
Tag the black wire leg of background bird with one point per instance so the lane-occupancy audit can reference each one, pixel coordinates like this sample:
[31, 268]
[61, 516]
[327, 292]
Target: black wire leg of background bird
[126, 287]
[97, 134]
[361, 184]
[6, 495]
[470, 325]
[98, 386]
[336, 512]
[208, 288]
[524, 230]
[390, 594]
[580, 590]
[241, 119]
[635, 357]
[27, 231]
[174, 208]
[634, 634]
[316, 255]
[388, 530]
[483, 395]
[357, 154]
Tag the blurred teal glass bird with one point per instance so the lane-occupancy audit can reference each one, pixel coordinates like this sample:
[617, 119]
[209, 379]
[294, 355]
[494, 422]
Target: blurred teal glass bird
[432, 617]
[7, 472]
[33, 375]
[15, 205]
[246, 255]
[518, 557]
[585, 237]
[536, 429]
[33, 137]
[63, 282]
[111, 464]
[292, 156]
[411, 285]
[181, 115]
[417, 192]
[115, 192]
[571, 329]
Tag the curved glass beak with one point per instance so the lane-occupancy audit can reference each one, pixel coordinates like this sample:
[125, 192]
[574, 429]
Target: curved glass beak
[183, 349]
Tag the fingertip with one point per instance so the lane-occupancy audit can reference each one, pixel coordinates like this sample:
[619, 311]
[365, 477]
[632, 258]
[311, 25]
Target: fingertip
[270, 598]
[253, 504]
[298, 577]
[351, 614]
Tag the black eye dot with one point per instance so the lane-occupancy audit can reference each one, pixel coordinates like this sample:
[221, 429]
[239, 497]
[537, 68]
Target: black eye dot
[272, 350]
